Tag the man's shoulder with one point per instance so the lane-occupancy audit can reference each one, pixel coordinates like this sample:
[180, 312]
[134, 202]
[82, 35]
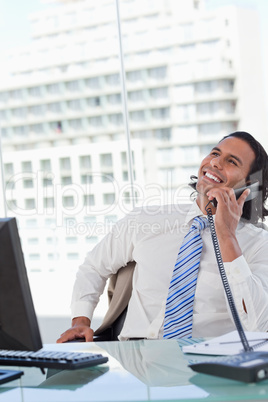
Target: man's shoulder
[258, 230]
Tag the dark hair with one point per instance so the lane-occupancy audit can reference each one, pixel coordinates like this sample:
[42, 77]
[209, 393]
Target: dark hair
[255, 209]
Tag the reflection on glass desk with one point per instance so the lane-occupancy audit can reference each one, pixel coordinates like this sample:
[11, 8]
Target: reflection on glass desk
[154, 370]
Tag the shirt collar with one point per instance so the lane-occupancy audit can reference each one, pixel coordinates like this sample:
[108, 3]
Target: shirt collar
[193, 212]
[196, 211]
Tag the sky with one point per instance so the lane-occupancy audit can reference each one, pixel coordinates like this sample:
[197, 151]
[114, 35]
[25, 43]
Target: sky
[15, 27]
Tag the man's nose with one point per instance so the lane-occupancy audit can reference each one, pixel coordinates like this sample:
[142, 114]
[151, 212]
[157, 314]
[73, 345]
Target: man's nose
[216, 162]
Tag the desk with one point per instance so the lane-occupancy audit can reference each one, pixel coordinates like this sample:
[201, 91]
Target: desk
[153, 370]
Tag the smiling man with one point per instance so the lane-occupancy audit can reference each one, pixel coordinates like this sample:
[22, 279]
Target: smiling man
[153, 236]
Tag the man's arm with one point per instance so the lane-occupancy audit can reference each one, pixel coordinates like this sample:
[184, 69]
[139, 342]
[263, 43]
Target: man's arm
[113, 252]
[80, 329]
[247, 280]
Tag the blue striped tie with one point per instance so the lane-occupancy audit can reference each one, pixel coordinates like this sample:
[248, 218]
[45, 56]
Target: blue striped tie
[178, 320]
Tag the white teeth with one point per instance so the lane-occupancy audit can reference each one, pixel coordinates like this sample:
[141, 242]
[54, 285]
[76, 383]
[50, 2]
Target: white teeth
[210, 176]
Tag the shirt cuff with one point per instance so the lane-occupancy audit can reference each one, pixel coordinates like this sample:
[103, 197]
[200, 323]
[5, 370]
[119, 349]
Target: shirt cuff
[81, 309]
[238, 270]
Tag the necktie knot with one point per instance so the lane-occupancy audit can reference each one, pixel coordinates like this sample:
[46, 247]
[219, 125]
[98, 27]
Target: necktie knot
[199, 223]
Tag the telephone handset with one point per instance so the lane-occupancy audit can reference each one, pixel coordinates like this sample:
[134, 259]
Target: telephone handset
[254, 189]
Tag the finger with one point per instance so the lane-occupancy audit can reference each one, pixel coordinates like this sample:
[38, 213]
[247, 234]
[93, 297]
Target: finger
[243, 197]
[65, 337]
[69, 335]
[89, 335]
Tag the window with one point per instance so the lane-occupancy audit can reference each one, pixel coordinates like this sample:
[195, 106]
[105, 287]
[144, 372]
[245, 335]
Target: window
[56, 126]
[50, 222]
[159, 93]
[19, 113]
[47, 182]
[65, 163]
[86, 179]
[125, 175]
[33, 240]
[72, 256]
[114, 99]
[53, 89]
[3, 97]
[134, 76]
[96, 121]
[31, 223]
[107, 177]
[160, 114]
[137, 116]
[113, 79]
[108, 198]
[94, 102]
[50, 240]
[89, 199]
[228, 85]
[85, 162]
[71, 240]
[66, 180]
[30, 203]
[54, 107]
[10, 184]
[16, 94]
[106, 160]
[3, 115]
[35, 92]
[34, 256]
[116, 119]
[72, 86]
[12, 205]
[75, 124]
[68, 201]
[93, 83]
[9, 169]
[158, 72]
[26, 166]
[110, 219]
[49, 202]
[36, 128]
[28, 183]
[163, 134]
[20, 130]
[45, 164]
[136, 96]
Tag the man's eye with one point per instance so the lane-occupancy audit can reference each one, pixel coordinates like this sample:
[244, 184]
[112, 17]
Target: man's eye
[233, 162]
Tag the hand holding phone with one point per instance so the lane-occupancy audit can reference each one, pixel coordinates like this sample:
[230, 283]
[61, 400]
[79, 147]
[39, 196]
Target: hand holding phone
[254, 189]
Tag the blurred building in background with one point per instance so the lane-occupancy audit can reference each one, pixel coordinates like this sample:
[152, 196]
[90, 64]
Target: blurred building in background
[191, 76]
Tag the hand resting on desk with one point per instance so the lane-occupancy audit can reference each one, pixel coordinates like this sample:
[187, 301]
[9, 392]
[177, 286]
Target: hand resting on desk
[80, 330]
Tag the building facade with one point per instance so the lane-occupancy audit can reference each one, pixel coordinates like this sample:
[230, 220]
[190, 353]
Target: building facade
[189, 81]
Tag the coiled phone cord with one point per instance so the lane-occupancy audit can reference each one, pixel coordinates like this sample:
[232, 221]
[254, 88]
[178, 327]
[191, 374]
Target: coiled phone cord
[225, 282]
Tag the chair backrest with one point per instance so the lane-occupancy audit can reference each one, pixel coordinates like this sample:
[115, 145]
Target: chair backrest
[119, 292]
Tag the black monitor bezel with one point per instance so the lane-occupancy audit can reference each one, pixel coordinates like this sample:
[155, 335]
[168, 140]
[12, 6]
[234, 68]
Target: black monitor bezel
[19, 329]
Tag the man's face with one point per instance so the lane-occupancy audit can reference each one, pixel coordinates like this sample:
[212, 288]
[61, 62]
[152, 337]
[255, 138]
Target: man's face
[227, 165]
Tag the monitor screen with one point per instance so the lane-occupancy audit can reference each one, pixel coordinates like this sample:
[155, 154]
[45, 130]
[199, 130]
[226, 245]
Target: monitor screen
[19, 328]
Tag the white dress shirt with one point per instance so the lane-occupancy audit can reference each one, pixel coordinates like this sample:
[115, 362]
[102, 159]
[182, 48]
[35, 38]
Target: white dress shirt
[152, 237]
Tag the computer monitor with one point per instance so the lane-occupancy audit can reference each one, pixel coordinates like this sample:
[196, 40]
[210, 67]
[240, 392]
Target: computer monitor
[19, 328]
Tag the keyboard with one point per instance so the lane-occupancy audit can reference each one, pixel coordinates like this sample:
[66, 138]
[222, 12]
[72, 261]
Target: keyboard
[247, 366]
[51, 359]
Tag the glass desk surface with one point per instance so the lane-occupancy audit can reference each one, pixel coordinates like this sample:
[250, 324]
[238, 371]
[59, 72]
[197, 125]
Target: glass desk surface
[146, 370]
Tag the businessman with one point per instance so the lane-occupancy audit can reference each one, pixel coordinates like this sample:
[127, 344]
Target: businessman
[152, 237]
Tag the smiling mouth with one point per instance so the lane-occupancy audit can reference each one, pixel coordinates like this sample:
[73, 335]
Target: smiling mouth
[212, 177]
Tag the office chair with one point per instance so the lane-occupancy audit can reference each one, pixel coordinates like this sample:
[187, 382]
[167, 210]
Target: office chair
[119, 292]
